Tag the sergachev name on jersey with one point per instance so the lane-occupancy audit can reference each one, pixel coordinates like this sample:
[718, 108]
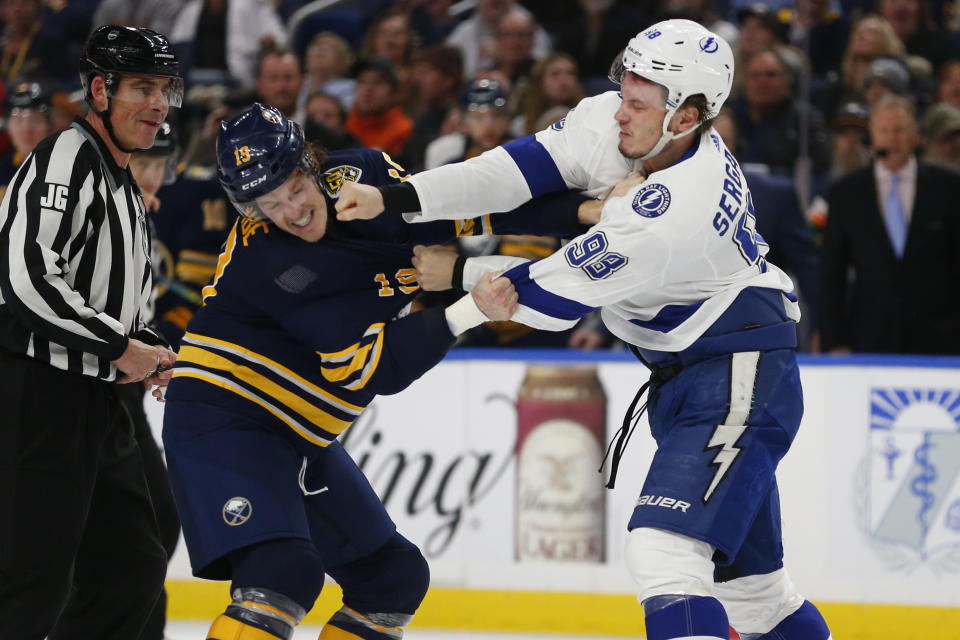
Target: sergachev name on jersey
[733, 187]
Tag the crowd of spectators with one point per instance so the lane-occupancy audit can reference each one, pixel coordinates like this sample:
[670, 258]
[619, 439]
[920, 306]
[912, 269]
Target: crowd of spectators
[434, 81]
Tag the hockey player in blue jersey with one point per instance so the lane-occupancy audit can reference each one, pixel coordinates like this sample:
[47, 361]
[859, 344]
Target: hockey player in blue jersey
[680, 275]
[306, 320]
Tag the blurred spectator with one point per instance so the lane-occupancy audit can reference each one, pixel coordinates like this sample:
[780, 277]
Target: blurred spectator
[871, 37]
[327, 65]
[391, 38]
[486, 122]
[376, 118]
[596, 33]
[911, 20]
[66, 107]
[891, 269]
[760, 30]
[218, 41]
[851, 140]
[948, 83]
[26, 52]
[159, 15]
[769, 119]
[514, 51]
[940, 127]
[884, 77]
[553, 83]
[278, 81]
[477, 35]
[821, 34]
[781, 223]
[326, 123]
[436, 78]
[430, 19]
[27, 109]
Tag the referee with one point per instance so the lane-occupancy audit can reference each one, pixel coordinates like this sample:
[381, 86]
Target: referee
[80, 555]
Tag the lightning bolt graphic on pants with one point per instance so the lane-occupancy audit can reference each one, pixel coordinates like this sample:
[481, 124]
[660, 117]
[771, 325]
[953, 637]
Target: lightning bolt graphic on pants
[724, 436]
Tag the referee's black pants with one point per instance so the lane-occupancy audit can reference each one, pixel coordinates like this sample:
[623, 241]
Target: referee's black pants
[80, 555]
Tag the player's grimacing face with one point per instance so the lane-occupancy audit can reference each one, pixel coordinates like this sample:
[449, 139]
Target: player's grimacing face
[297, 207]
[640, 115]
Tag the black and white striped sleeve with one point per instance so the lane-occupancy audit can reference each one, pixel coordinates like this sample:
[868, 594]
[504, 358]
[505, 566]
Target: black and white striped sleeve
[53, 218]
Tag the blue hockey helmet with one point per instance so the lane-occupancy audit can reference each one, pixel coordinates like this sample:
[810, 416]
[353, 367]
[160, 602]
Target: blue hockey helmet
[256, 152]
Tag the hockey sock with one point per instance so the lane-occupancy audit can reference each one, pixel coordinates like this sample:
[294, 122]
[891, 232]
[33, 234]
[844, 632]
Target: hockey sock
[257, 614]
[347, 624]
[805, 623]
[672, 617]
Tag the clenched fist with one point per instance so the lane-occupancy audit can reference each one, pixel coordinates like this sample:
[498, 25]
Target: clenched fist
[496, 296]
[434, 267]
[359, 202]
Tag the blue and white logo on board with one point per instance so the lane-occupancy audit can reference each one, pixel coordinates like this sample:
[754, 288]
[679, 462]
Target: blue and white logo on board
[652, 200]
[910, 505]
[709, 44]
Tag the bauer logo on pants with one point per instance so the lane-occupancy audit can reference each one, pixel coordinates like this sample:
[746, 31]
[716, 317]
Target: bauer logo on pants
[236, 511]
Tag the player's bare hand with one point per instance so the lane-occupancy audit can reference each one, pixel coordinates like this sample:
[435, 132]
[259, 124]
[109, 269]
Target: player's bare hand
[358, 202]
[161, 376]
[152, 203]
[496, 296]
[434, 267]
[589, 212]
[140, 361]
[585, 339]
[621, 188]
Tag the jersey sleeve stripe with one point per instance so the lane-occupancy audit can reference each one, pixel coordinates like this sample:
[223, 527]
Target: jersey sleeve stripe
[538, 168]
[534, 296]
[372, 363]
[222, 262]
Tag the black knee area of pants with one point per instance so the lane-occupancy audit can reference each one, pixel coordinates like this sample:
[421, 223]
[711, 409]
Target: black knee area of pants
[392, 579]
[291, 567]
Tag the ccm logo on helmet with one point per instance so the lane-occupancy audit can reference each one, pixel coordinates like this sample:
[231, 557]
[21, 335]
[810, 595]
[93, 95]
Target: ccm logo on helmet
[253, 183]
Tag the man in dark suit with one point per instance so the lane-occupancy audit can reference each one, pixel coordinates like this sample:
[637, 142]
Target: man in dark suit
[891, 248]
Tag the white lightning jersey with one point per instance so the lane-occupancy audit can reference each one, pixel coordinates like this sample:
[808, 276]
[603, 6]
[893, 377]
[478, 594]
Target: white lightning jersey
[579, 152]
[664, 262]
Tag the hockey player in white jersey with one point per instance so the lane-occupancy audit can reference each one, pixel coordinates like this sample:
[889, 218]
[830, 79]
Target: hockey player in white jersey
[679, 272]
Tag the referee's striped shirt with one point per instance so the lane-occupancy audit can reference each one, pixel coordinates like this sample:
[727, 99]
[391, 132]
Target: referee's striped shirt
[75, 276]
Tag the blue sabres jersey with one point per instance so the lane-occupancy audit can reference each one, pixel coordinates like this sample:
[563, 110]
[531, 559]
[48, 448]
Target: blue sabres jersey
[304, 335]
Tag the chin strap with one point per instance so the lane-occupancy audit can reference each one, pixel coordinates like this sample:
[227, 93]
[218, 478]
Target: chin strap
[667, 135]
[105, 118]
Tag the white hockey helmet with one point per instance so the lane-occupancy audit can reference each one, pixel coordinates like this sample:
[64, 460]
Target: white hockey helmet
[683, 57]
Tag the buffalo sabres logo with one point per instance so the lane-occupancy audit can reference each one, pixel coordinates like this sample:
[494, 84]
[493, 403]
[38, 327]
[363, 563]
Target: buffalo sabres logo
[709, 44]
[236, 511]
[271, 116]
[652, 200]
[909, 485]
[334, 178]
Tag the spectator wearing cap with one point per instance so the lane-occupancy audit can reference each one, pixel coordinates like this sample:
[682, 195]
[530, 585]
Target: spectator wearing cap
[769, 119]
[851, 140]
[279, 80]
[554, 82]
[884, 77]
[940, 127]
[486, 124]
[327, 64]
[436, 80]
[27, 108]
[376, 119]
[476, 37]
[892, 226]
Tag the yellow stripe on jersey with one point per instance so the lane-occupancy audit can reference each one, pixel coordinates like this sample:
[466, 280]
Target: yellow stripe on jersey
[313, 413]
[279, 369]
[463, 227]
[222, 262]
[355, 358]
[223, 383]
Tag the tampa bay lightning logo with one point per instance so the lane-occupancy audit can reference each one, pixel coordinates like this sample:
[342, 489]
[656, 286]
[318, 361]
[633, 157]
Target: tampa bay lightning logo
[558, 125]
[652, 200]
[911, 479]
[236, 511]
[709, 44]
